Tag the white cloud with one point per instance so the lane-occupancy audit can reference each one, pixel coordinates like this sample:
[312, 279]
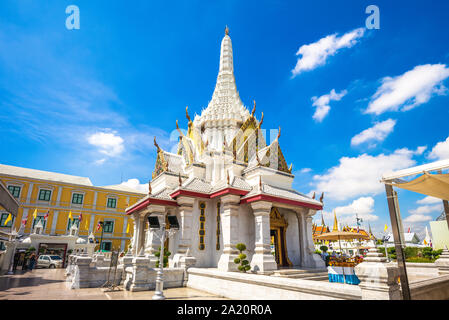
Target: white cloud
[100, 161]
[108, 143]
[429, 200]
[322, 103]
[415, 218]
[410, 89]
[316, 54]
[305, 170]
[427, 209]
[361, 175]
[440, 151]
[135, 184]
[362, 207]
[376, 133]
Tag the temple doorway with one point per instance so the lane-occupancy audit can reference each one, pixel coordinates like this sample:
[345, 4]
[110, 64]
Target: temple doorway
[278, 228]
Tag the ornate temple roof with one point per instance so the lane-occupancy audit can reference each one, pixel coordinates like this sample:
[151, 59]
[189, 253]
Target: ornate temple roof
[289, 194]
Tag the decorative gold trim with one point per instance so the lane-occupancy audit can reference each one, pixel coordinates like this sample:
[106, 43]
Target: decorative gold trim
[202, 226]
[279, 223]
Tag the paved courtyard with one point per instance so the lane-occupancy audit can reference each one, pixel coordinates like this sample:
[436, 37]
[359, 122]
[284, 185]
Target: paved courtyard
[50, 284]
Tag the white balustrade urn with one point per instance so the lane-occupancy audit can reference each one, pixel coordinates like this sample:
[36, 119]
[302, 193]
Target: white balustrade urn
[378, 279]
[442, 263]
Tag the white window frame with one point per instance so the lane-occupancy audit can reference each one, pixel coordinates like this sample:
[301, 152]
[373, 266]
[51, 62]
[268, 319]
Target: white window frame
[111, 196]
[113, 225]
[45, 187]
[77, 205]
[16, 184]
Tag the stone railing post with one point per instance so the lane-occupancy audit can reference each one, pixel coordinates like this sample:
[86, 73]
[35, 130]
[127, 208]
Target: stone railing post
[230, 230]
[263, 261]
[378, 279]
[139, 280]
[442, 262]
[82, 278]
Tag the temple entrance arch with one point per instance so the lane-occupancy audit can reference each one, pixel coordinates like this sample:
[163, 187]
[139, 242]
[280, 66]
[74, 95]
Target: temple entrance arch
[278, 228]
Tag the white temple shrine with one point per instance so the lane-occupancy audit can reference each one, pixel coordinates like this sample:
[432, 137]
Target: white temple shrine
[227, 185]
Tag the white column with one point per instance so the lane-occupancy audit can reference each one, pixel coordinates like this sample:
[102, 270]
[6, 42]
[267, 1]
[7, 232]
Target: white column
[95, 200]
[30, 190]
[311, 259]
[91, 223]
[54, 221]
[263, 260]
[186, 232]
[58, 199]
[230, 231]
[136, 234]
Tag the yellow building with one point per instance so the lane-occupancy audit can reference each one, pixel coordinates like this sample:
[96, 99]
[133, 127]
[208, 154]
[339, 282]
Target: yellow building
[57, 195]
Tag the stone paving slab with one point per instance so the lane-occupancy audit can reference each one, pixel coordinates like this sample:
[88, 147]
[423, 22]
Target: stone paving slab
[50, 284]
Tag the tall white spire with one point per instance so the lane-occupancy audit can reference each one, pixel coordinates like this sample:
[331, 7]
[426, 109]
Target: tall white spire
[225, 113]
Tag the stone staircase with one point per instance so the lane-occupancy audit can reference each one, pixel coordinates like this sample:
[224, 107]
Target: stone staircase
[305, 274]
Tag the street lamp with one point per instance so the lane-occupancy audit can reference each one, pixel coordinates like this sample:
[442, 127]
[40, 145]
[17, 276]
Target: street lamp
[155, 226]
[101, 225]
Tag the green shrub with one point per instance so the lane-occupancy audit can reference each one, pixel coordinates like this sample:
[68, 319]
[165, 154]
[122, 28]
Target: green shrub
[324, 248]
[317, 251]
[436, 253]
[419, 260]
[165, 259]
[240, 260]
[411, 252]
[427, 252]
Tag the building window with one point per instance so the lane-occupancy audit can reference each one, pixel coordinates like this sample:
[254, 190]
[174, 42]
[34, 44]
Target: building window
[3, 219]
[77, 198]
[202, 231]
[106, 246]
[112, 203]
[15, 191]
[36, 221]
[218, 226]
[108, 226]
[74, 221]
[2, 246]
[44, 195]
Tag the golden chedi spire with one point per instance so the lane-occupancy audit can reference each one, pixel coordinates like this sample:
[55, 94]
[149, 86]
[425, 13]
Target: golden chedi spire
[335, 228]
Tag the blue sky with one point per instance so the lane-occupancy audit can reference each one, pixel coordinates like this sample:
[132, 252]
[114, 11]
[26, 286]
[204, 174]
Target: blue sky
[88, 102]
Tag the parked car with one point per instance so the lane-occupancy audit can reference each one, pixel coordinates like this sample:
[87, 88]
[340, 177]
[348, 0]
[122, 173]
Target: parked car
[49, 261]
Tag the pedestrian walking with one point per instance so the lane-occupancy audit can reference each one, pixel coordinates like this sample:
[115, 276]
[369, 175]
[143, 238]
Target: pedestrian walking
[32, 261]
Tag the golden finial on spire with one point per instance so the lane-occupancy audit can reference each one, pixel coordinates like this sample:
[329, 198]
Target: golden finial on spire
[227, 31]
[150, 191]
[290, 168]
[179, 130]
[261, 120]
[187, 115]
[322, 197]
[254, 109]
[156, 145]
[179, 179]
[279, 133]
[313, 197]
